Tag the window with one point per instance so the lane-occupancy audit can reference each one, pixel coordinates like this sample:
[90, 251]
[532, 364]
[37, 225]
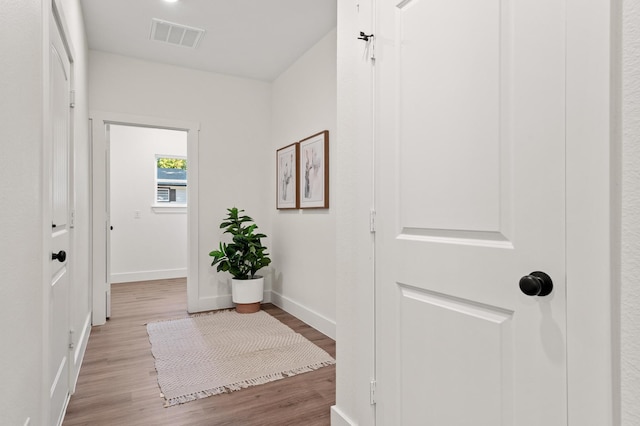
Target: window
[163, 194]
[171, 180]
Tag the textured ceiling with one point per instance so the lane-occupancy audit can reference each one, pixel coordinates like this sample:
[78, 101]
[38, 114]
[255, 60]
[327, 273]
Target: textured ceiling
[249, 38]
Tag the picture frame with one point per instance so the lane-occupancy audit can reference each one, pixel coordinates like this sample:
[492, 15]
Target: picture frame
[313, 171]
[287, 182]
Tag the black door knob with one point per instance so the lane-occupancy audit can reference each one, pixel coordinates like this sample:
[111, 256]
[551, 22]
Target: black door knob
[60, 256]
[536, 284]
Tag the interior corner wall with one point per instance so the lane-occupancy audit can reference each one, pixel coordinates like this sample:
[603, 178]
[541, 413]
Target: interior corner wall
[630, 292]
[302, 242]
[147, 242]
[234, 150]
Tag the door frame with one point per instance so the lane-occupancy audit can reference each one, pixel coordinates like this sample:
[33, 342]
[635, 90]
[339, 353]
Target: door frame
[592, 213]
[593, 210]
[99, 120]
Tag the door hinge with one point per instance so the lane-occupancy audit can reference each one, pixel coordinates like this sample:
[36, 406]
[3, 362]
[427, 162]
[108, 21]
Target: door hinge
[71, 344]
[72, 99]
[372, 392]
[72, 218]
[372, 221]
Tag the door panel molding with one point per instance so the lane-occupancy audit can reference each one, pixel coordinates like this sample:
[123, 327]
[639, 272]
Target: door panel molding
[465, 92]
[484, 345]
[477, 238]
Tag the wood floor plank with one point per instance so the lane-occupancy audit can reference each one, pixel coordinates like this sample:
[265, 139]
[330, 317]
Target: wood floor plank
[118, 382]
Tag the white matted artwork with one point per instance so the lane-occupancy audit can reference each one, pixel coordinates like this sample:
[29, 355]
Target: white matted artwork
[314, 171]
[287, 177]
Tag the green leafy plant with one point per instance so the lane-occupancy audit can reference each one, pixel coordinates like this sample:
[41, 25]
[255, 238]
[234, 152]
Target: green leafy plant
[245, 255]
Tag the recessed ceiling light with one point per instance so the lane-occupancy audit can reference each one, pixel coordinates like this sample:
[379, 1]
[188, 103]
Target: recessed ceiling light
[171, 1]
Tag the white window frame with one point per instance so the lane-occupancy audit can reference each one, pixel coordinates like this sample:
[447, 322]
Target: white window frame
[166, 206]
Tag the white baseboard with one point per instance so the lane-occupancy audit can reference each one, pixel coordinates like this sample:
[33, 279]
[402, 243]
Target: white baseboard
[321, 323]
[163, 274]
[338, 418]
[79, 351]
[63, 412]
[212, 303]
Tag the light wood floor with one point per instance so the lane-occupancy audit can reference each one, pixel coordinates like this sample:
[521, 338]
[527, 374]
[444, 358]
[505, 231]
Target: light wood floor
[118, 386]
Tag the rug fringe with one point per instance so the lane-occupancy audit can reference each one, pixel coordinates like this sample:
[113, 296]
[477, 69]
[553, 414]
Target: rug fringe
[245, 384]
[197, 314]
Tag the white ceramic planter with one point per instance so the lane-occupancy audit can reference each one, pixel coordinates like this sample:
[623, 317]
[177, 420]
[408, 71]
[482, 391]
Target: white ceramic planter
[247, 291]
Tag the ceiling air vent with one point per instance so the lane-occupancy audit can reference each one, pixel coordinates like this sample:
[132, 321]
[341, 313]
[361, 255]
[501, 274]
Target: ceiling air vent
[176, 34]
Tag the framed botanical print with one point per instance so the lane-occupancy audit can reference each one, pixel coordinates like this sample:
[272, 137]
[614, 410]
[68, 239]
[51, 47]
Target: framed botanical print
[287, 177]
[313, 174]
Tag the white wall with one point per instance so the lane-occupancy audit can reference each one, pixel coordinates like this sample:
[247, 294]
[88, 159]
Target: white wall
[354, 199]
[235, 155]
[23, 258]
[630, 315]
[21, 295]
[152, 244]
[302, 242]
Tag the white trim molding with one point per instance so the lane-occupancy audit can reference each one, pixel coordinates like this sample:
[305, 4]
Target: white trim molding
[316, 320]
[79, 351]
[163, 274]
[592, 140]
[213, 303]
[338, 418]
[171, 209]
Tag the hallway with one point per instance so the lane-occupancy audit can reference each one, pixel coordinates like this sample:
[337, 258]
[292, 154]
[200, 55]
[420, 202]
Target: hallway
[117, 383]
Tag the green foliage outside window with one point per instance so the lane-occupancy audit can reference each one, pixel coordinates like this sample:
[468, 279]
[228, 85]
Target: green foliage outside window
[172, 163]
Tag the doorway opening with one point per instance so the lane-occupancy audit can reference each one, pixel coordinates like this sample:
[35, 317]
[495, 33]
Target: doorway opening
[147, 203]
[145, 214]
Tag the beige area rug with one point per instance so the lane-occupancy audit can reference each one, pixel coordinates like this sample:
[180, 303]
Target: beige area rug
[210, 354]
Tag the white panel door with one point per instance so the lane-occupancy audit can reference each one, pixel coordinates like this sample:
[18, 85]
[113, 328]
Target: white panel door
[58, 350]
[470, 198]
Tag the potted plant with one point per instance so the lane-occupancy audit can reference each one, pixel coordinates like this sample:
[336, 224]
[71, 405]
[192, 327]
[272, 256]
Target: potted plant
[242, 258]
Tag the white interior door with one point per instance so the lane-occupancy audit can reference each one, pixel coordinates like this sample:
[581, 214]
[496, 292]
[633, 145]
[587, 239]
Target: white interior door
[470, 198]
[101, 291]
[58, 350]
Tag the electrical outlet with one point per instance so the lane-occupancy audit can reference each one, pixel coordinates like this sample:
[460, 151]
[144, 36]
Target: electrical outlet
[136, 214]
